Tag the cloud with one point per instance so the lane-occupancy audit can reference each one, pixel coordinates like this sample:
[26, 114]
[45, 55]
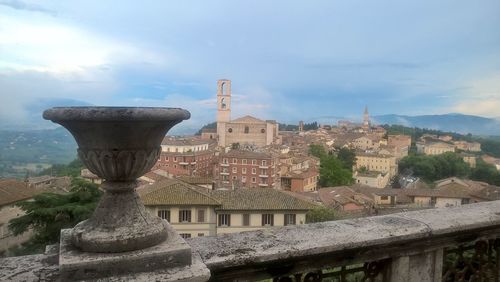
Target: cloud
[21, 5]
[480, 97]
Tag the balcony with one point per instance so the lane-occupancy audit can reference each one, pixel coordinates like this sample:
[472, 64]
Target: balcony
[183, 163]
[224, 173]
[263, 175]
[263, 184]
[449, 244]
[223, 164]
[264, 166]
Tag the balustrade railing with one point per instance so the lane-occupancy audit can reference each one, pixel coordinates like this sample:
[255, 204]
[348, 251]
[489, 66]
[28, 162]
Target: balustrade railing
[450, 244]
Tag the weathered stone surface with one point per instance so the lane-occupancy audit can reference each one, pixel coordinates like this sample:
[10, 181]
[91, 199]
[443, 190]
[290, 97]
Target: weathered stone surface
[28, 268]
[119, 222]
[364, 238]
[75, 264]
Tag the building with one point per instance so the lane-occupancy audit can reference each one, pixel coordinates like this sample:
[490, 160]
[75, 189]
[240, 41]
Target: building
[246, 130]
[184, 156]
[470, 159]
[240, 168]
[343, 198]
[372, 178]
[209, 133]
[189, 210]
[468, 146]
[253, 209]
[434, 147]
[300, 181]
[448, 192]
[376, 162]
[399, 140]
[89, 176]
[11, 192]
[194, 212]
[366, 120]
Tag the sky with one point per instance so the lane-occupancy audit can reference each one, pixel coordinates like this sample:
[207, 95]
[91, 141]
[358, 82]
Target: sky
[287, 60]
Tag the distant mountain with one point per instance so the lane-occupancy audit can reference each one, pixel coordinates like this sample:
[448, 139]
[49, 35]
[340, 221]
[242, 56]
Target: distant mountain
[453, 122]
[33, 150]
[33, 119]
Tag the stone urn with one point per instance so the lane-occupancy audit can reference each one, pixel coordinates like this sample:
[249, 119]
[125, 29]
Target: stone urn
[118, 144]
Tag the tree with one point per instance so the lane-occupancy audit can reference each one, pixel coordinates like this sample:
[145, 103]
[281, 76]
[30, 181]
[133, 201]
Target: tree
[485, 172]
[432, 168]
[317, 150]
[347, 157]
[332, 171]
[48, 213]
[320, 214]
[73, 169]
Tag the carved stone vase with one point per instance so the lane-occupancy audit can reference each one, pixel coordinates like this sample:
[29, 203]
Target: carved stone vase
[119, 145]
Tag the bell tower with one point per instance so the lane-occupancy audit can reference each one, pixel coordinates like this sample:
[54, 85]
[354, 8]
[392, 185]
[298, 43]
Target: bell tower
[223, 100]
[223, 108]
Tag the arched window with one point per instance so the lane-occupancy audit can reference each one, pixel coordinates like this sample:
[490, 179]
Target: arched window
[230, 130]
[247, 129]
[223, 103]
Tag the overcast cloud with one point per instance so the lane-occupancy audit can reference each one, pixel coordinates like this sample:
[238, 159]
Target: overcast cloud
[288, 60]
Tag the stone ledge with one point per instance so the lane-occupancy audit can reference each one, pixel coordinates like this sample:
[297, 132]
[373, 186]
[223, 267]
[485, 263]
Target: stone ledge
[370, 237]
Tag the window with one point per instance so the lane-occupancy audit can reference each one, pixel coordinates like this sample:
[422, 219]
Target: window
[244, 161]
[384, 198]
[201, 234]
[244, 170]
[164, 214]
[247, 129]
[185, 235]
[235, 169]
[185, 216]
[290, 219]
[234, 177]
[224, 220]
[254, 162]
[263, 172]
[166, 158]
[264, 162]
[267, 219]
[201, 215]
[263, 130]
[235, 161]
[254, 179]
[230, 130]
[224, 161]
[254, 170]
[246, 219]
[175, 159]
[243, 179]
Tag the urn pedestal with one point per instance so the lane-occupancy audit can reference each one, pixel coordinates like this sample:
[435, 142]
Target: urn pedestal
[119, 145]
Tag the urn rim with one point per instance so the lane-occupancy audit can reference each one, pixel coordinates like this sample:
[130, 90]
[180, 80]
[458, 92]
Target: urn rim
[115, 114]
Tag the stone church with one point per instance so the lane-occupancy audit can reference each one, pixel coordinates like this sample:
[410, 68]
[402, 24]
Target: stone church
[245, 130]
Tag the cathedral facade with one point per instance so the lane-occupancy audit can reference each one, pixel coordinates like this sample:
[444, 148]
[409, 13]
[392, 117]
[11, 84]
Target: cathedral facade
[246, 130]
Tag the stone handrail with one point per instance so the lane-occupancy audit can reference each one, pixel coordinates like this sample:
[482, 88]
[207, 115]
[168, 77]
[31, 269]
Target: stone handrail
[411, 246]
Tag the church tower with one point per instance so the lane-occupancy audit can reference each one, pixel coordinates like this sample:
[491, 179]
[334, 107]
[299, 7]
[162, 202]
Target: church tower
[366, 119]
[223, 108]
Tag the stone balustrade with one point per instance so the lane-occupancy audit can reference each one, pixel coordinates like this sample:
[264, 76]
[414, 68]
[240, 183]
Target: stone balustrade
[446, 244]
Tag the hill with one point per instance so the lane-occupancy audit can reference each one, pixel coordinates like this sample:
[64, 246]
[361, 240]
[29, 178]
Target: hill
[459, 123]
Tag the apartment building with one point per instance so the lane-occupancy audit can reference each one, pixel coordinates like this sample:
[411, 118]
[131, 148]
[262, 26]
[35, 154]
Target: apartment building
[193, 157]
[240, 168]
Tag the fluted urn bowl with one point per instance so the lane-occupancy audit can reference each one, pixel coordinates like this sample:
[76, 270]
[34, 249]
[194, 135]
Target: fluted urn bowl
[119, 144]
